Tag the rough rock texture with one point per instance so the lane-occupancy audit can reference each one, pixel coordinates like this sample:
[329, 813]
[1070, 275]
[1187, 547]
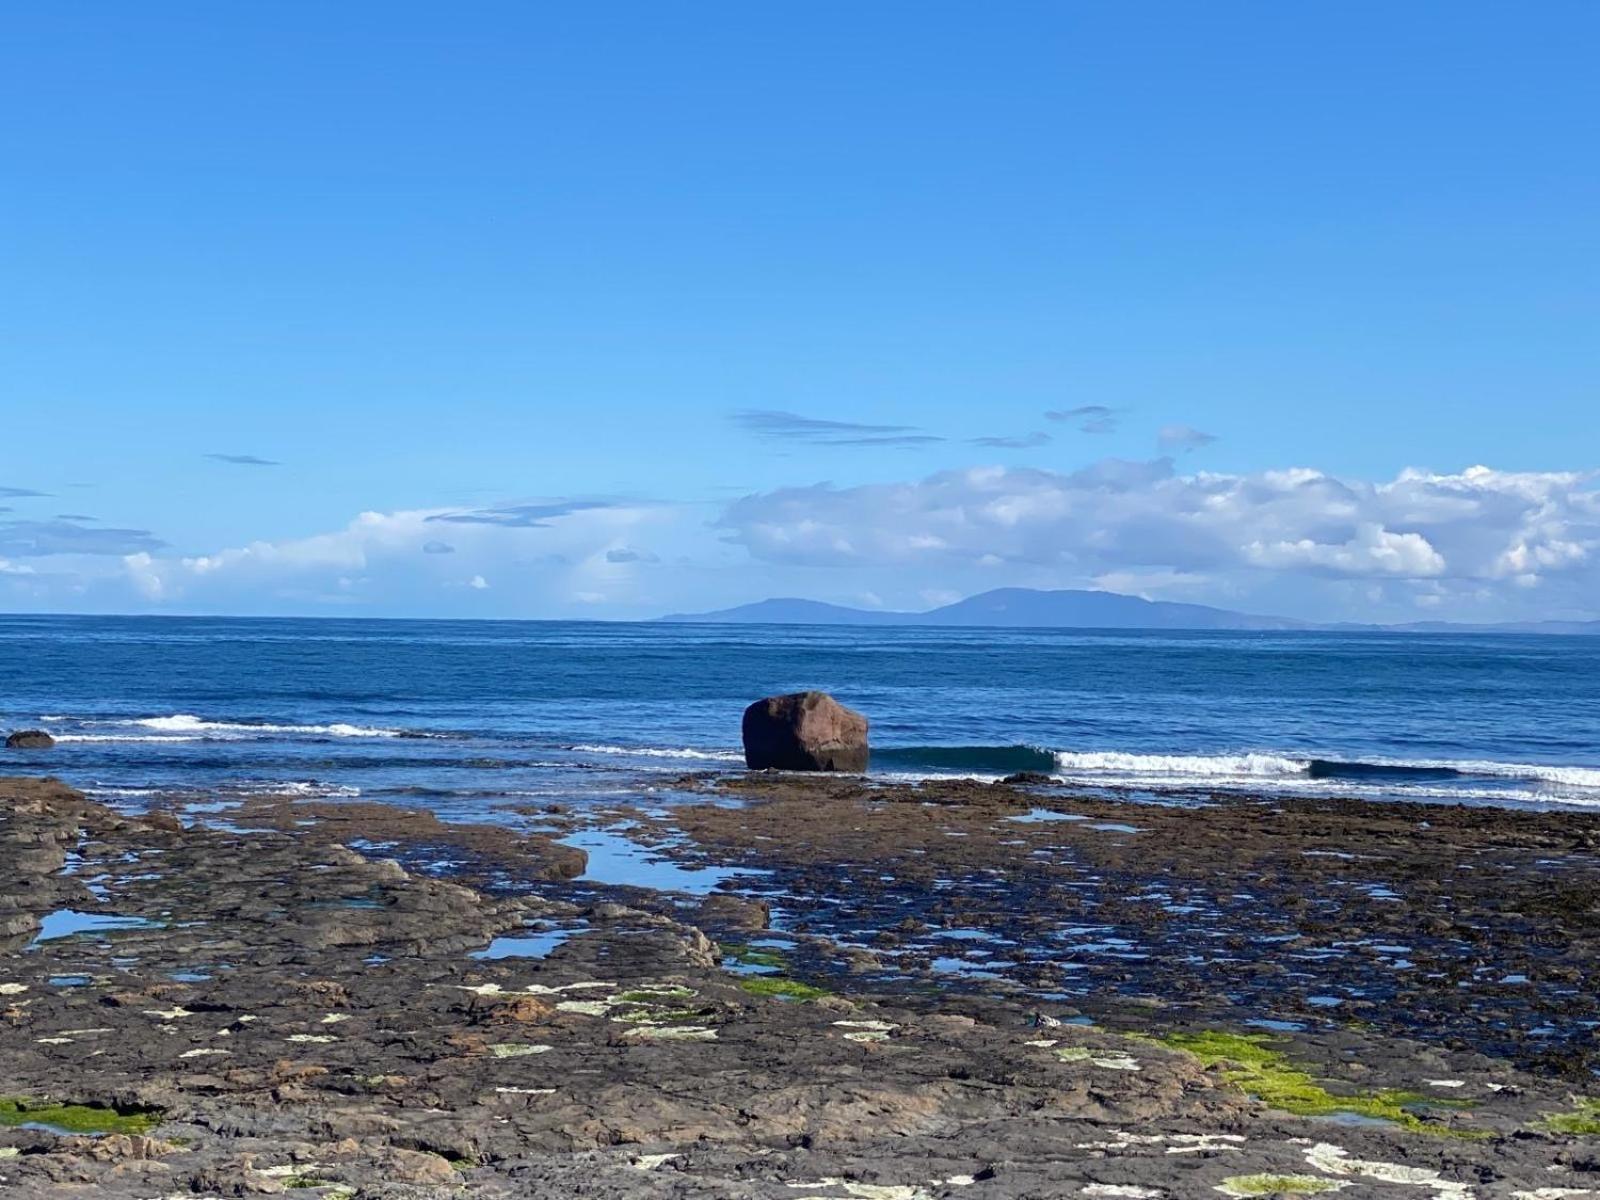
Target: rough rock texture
[804, 731]
[30, 739]
[275, 1013]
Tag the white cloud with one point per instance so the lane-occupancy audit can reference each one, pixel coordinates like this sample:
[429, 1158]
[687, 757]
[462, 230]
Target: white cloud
[1477, 529]
[393, 562]
[1479, 544]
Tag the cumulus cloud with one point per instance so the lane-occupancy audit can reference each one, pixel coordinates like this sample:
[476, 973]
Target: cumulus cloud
[1088, 418]
[538, 556]
[1024, 442]
[1183, 437]
[245, 460]
[1477, 528]
[792, 427]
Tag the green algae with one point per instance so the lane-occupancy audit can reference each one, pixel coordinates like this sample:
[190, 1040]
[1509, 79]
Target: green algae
[751, 957]
[655, 995]
[1276, 1185]
[1583, 1120]
[663, 1016]
[1251, 1064]
[783, 989]
[76, 1118]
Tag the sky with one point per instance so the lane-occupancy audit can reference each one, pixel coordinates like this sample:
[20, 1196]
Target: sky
[617, 309]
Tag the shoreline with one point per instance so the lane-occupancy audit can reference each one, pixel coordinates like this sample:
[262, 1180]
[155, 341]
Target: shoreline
[299, 996]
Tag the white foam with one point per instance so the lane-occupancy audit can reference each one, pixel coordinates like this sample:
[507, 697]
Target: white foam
[661, 752]
[1579, 777]
[188, 723]
[1287, 770]
[121, 737]
[1189, 766]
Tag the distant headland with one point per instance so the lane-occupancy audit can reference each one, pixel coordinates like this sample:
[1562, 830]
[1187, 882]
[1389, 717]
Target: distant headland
[1032, 608]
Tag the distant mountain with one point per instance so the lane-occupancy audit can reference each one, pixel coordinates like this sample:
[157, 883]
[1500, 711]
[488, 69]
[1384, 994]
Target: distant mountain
[1014, 607]
[1020, 608]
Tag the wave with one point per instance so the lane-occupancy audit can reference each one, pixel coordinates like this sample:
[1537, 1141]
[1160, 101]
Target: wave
[1003, 760]
[188, 723]
[660, 752]
[186, 727]
[1253, 766]
[1283, 767]
[1258, 768]
[122, 737]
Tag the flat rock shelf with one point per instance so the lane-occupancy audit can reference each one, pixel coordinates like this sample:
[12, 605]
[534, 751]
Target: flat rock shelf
[358, 1000]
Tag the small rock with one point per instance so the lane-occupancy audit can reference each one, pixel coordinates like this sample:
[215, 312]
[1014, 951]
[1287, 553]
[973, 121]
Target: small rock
[30, 739]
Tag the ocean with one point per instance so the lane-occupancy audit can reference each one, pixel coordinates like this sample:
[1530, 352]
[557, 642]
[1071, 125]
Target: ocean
[463, 716]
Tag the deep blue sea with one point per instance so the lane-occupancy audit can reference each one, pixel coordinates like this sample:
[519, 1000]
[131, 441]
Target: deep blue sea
[462, 716]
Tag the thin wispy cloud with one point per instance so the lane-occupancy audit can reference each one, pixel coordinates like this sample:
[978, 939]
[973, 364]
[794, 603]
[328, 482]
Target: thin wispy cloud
[438, 548]
[1027, 441]
[16, 493]
[75, 517]
[626, 554]
[521, 516]
[818, 431]
[1088, 418]
[26, 539]
[1183, 437]
[245, 460]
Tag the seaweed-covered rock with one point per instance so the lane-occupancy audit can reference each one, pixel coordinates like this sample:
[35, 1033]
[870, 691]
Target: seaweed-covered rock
[30, 739]
[804, 731]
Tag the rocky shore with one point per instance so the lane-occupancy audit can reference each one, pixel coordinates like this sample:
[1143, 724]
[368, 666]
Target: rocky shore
[887, 992]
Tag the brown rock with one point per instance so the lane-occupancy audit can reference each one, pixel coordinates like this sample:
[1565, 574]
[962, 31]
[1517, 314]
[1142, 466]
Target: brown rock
[804, 731]
[30, 739]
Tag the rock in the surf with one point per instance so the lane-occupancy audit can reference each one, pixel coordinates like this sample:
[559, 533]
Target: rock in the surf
[804, 731]
[30, 739]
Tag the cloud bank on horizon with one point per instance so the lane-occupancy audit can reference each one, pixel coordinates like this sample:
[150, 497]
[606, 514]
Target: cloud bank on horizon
[1478, 544]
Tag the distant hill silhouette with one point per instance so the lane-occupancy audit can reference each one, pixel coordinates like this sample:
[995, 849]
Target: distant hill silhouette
[1016, 607]
[1075, 609]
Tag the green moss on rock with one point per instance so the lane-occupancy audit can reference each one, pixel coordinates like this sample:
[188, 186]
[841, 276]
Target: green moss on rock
[76, 1118]
[1276, 1185]
[786, 989]
[1583, 1120]
[1251, 1064]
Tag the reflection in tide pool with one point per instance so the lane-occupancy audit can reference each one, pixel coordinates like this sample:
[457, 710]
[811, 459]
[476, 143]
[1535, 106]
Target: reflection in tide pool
[65, 922]
[529, 944]
[614, 859]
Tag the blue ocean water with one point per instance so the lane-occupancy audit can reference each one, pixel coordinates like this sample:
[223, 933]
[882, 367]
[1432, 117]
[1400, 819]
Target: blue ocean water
[463, 715]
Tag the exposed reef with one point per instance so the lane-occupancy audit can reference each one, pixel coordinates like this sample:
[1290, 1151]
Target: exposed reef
[198, 1010]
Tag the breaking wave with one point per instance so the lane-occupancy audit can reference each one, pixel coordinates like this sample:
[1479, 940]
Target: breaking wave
[186, 727]
[1260, 769]
[660, 752]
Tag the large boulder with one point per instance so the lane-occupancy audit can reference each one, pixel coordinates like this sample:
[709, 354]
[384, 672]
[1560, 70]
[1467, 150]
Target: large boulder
[30, 739]
[804, 731]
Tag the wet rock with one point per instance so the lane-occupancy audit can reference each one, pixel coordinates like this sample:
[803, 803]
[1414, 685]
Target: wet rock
[30, 739]
[735, 912]
[1028, 779]
[804, 731]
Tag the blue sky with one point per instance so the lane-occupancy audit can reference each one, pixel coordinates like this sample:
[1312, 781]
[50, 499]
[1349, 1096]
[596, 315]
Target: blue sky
[600, 299]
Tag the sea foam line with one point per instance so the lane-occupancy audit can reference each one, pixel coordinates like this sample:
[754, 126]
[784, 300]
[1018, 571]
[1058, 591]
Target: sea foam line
[186, 727]
[661, 752]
